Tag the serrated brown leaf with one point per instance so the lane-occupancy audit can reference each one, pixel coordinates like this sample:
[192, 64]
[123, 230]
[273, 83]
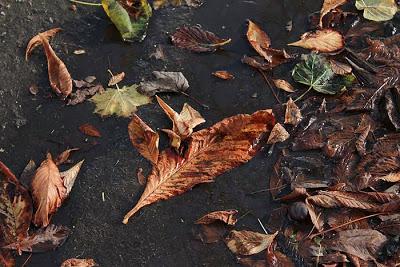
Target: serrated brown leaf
[292, 114]
[327, 7]
[248, 242]
[90, 130]
[326, 41]
[48, 191]
[64, 156]
[283, 85]
[144, 139]
[196, 39]
[69, 176]
[226, 216]
[211, 152]
[278, 134]
[43, 240]
[79, 263]
[116, 79]
[36, 40]
[223, 74]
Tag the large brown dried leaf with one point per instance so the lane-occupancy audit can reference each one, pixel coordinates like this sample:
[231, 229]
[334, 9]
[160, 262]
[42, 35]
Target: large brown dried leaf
[48, 191]
[79, 263]
[226, 216]
[258, 39]
[363, 243]
[43, 240]
[211, 152]
[196, 39]
[326, 41]
[328, 6]
[248, 242]
[36, 40]
[144, 139]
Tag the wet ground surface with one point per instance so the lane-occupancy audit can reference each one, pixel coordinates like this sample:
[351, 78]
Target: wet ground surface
[161, 234]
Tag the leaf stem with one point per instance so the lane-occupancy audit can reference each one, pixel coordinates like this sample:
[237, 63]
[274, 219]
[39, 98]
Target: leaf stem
[302, 95]
[270, 86]
[85, 3]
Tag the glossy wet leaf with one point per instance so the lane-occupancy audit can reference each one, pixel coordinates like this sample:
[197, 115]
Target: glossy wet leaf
[89, 130]
[196, 39]
[226, 216]
[278, 134]
[74, 262]
[248, 242]
[377, 10]
[166, 82]
[144, 139]
[211, 152]
[42, 240]
[328, 6]
[326, 41]
[36, 40]
[157, 4]
[120, 102]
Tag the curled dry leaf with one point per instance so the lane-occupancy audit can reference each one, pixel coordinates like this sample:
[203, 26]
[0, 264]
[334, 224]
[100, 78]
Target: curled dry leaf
[211, 152]
[116, 79]
[196, 39]
[175, 139]
[292, 114]
[36, 40]
[79, 263]
[144, 139]
[226, 216]
[157, 4]
[43, 240]
[284, 85]
[326, 41]
[248, 242]
[64, 156]
[278, 134]
[89, 130]
[223, 74]
[327, 7]
[69, 176]
[166, 82]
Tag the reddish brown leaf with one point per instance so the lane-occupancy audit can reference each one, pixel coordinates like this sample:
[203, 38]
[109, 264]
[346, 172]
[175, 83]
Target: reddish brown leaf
[48, 191]
[36, 40]
[196, 39]
[223, 74]
[89, 130]
[258, 39]
[226, 216]
[248, 242]
[293, 114]
[43, 240]
[326, 41]
[278, 134]
[144, 139]
[211, 152]
[116, 79]
[328, 6]
[79, 263]
[283, 85]
[64, 156]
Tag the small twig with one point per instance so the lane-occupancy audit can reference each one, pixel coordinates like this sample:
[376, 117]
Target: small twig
[195, 100]
[26, 261]
[270, 86]
[85, 3]
[262, 226]
[267, 190]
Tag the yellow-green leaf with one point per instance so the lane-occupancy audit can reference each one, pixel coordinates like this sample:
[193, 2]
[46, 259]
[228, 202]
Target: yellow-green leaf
[120, 102]
[377, 10]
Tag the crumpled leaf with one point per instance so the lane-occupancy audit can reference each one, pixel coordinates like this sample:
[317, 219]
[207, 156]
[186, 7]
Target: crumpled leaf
[211, 152]
[363, 243]
[43, 240]
[293, 113]
[121, 102]
[166, 82]
[69, 176]
[283, 85]
[325, 41]
[196, 39]
[328, 6]
[116, 79]
[89, 130]
[316, 73]
[36, 41]
[226, 216]
[79, 263]
[131, 17]
[174, 138]
[278, 134]
[377, 10]
[223, 74]
[157, 4]
[144, 139]
[248, 242]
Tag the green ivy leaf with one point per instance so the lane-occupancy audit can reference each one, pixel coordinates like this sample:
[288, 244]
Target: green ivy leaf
[377, 10]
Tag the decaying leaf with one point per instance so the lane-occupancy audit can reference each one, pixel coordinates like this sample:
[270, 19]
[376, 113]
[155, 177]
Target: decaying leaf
[196, 39]
[363, 243]
[116, 79]
[226, 216]
[340, 68]
[43, 240]
[144, 139]
[166, 82]
[325, 41]
[90, 130]
[377, 10]
[293, 113]
[257, 63]
[64, 156]
[278, 134]
[48, 191]
[69, 176]
[284, 85]
[223, 74]
[79, 263]
[80, 95]
[157, 4]
[328, 6]
[121, 102]
[36, 40]
[248, 242]
[211, 152]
